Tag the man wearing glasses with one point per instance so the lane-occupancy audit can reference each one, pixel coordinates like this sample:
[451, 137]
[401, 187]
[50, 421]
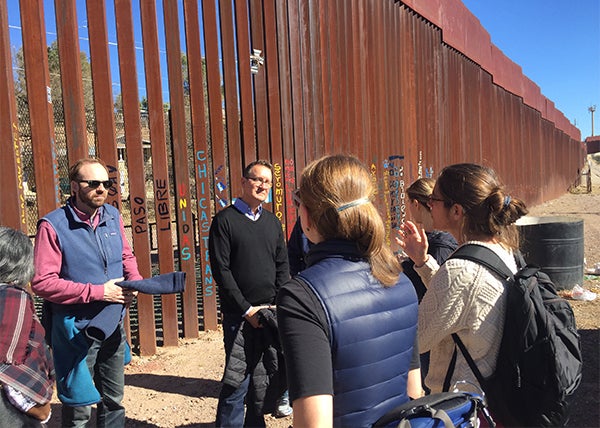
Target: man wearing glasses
[80, 253]
[249, 262]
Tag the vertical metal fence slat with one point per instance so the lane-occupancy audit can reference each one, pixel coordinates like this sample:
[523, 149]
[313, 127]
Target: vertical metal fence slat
[106, 147]
[221, 178]
[286, 110]
[12, 208]
[201, 161]
[244, 49]
[337, 126]
[359, 71]
[260, 82]
[329, 102]
[280, 186]
[160, 173]
[295, 76]
[230, 81]
[307, 69]
[41, 114]
[133, 139]
[71, 79]
[349, 63]
[181, 171]
[315, 111]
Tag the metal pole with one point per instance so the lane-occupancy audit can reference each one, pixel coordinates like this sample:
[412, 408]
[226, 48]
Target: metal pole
[592, 109]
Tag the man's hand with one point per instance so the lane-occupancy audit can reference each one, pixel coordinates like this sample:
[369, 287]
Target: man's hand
[252, 316]
[41, 412]
[116, 294]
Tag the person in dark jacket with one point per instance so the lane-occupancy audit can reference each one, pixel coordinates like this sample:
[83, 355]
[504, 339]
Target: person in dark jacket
[347, 323]
[298, 246]
[249, 263]
[441, 244]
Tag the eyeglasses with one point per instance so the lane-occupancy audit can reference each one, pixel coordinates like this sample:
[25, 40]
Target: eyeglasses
[263, 182]
[94, 184]
[296, 198]
[432, 198]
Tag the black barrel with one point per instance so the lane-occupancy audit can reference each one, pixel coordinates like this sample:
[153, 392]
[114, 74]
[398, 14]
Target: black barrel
[556, 245]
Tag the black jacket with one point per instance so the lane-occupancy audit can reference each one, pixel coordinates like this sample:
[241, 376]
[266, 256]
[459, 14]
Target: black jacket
[263, 353]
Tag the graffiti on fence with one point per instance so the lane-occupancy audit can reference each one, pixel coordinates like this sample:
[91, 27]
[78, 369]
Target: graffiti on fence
[388, 206]
[185, 243]
[113, 174]
[221, 186]
[204, 221]
[19, 163]
[138, 208]
[278, 193]
[394, 166]
[289, 172]
[374, 178]
[163, 216]
[55, 172]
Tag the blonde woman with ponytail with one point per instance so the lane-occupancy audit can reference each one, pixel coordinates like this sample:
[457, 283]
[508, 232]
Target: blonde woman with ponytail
[348, 321]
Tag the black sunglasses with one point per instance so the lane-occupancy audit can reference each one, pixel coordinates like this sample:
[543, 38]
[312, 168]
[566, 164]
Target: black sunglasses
[94, 184]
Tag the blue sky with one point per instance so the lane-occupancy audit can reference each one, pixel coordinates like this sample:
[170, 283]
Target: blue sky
[557, 45]
[49, 16]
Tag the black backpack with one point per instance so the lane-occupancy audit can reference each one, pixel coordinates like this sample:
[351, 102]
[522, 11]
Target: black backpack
[539, 363]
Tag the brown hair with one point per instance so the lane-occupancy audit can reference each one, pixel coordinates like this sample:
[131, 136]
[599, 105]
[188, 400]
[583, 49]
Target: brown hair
[336, 191]
[253, 164]
[420, 191]
[76, 167]
[489, 209]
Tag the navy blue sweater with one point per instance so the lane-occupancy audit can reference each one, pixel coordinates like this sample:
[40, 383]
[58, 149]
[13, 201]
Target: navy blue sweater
[248, 259]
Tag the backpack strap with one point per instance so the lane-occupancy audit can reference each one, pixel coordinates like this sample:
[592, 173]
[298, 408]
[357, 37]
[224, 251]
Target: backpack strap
[470, 361]
[485, 257]
[489, 259]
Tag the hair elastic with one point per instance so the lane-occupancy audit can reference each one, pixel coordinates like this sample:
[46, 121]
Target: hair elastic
[507, 200]
[353, 203]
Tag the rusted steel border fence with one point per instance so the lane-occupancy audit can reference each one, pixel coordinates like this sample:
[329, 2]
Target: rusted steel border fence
[408, 87]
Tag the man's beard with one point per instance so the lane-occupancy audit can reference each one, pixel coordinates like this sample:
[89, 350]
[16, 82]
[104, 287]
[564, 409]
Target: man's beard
[94, 202]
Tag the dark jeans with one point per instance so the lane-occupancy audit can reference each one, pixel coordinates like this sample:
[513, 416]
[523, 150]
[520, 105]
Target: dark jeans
[11, 417]
[230, 410]
[105, 361]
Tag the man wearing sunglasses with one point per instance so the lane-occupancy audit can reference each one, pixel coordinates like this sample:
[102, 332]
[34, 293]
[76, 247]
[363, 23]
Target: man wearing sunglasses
[80, 253]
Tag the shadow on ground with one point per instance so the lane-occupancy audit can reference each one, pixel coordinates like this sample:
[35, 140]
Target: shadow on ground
[191, 387]
[585, 409]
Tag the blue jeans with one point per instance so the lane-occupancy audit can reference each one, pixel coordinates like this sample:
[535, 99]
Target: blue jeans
[230, 410]
[105, 362]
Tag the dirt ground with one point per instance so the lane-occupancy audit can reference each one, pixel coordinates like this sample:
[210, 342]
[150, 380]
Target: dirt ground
[179, 386]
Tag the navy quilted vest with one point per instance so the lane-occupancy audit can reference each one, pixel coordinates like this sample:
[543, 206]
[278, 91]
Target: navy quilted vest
[88, 255]
[372, 330]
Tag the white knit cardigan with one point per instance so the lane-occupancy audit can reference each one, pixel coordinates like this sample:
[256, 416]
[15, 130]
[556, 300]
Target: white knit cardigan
[462, 297]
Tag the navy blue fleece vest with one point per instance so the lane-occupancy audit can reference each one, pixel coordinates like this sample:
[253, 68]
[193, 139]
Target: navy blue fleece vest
[372, 332]
[88, 255]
